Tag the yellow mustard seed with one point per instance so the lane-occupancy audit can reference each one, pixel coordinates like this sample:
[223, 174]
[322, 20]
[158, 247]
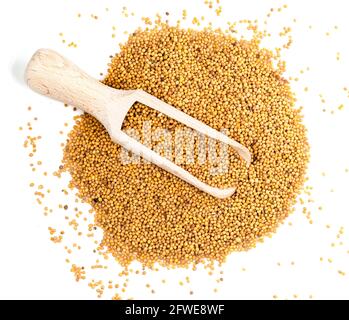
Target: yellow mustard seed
[213, 77]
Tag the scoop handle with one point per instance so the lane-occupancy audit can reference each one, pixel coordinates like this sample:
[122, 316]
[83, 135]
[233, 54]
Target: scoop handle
[56, 77]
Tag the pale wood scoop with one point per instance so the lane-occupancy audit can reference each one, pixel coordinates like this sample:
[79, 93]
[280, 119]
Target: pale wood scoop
[54, 76]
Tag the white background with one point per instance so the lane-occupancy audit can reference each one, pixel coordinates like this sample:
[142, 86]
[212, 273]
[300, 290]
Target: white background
[33, 267]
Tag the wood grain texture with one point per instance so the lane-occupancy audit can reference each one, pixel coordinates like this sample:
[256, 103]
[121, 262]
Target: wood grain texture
[54, 76]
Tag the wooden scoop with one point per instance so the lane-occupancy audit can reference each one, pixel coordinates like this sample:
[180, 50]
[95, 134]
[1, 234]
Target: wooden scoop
[54, 76]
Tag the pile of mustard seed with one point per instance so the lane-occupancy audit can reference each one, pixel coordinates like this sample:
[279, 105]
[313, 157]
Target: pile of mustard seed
[148, 214]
